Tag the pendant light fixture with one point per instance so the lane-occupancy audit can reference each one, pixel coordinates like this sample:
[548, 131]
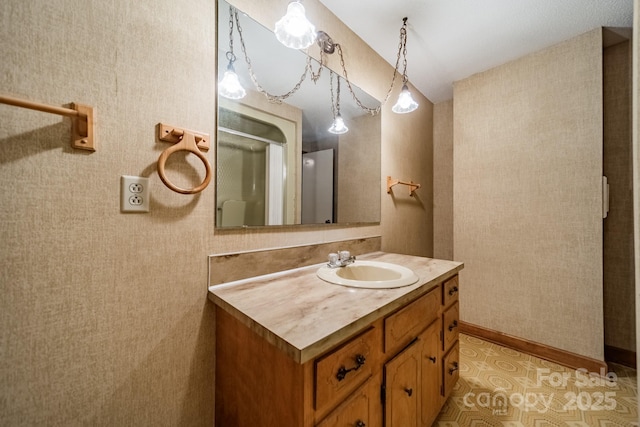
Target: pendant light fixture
[406, 103]
[294, 29]
[230, 86]
[337, 127]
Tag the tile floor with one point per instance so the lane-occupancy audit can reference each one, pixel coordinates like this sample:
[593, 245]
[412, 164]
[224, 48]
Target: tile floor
[499, 386]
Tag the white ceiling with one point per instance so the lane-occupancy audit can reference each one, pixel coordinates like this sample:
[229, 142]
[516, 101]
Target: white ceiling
[449, 40]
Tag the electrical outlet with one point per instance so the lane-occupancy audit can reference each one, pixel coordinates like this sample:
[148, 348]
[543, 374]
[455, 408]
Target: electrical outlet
[134, 194]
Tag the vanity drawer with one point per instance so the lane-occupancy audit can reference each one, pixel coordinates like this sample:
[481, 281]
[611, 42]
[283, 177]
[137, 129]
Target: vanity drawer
[450, 291]
[357, 409]
[403, 326]
[340, 372]
[450, 325]
[450, 370]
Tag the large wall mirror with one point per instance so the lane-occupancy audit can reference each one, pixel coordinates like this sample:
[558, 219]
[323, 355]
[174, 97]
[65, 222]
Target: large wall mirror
[277, 163]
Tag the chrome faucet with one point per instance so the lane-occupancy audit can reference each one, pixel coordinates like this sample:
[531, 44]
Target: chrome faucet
[340, 259]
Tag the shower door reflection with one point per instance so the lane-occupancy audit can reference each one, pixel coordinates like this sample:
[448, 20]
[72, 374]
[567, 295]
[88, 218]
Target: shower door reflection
[251, 173]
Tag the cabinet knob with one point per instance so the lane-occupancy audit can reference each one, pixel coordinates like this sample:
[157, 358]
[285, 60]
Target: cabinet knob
[342, 372]
[360, 423]
[454, 368]
[453, 290]
[453, 325]
[409, 391]
[432, 358]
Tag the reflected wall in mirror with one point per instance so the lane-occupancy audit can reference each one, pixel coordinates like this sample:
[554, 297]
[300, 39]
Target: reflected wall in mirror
[277, 163]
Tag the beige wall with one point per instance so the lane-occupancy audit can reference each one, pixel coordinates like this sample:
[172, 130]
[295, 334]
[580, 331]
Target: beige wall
[407, 154]
[443, 180]
[354, 204]
[527, 200]
[104, 315]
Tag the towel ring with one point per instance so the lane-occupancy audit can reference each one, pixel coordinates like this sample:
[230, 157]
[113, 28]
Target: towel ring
[186, 142]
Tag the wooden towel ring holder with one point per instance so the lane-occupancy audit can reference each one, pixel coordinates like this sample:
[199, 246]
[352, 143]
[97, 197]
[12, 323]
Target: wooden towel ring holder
[183, 140]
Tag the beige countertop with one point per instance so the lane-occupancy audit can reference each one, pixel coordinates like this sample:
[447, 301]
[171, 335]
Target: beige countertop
[304, 316]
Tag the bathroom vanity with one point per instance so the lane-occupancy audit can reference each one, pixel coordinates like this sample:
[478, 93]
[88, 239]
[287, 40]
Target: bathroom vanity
[294, 350]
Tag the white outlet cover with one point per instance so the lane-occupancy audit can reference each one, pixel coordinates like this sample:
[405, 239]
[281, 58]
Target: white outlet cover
[134, 194]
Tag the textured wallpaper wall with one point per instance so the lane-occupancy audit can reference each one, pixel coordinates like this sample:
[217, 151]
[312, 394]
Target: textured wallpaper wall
[407, 154]
[355, 205]
[104, 316]
[527, 196]
[443, 180]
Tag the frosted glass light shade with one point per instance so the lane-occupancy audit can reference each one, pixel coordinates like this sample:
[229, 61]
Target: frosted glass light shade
[406, 103]
[338, 127]
[293, 29]
[230, 86]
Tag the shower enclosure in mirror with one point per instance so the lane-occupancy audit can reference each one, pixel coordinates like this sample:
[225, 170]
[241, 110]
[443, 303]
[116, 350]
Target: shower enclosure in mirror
[277, 163]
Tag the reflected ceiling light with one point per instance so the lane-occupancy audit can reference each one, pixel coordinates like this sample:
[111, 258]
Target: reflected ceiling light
[294, 29]
[406, 103]
[230, 86]
[337, 127]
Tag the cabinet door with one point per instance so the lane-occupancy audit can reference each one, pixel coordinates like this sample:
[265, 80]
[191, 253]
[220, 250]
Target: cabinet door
[402, 388]
[430, 375]
[356, 411]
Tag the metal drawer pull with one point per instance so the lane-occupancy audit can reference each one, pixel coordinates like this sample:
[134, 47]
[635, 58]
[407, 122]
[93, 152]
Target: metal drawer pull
[433, 359]
[409, 391]
[342, 372]
[455, 368]
[453, 290]
[360, 423]
[453, 325]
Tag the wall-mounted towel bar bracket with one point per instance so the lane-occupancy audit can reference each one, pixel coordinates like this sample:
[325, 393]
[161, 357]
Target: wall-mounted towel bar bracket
[83, 117]
[183, 140]
[173, 134]
[83, 134]
[412, 185]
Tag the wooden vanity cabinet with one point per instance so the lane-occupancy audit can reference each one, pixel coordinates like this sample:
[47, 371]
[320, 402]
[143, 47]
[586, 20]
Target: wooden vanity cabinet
[412, 381]
[450, 349]
[415, 392]
[431, 374]
[402, 387]
[450, 370]
[396, 372]
[340, 372]
[450, 291]
[450, 319]
[359, 410]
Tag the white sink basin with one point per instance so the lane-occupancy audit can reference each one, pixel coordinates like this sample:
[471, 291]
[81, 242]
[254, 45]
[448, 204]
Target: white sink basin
[369, 274]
